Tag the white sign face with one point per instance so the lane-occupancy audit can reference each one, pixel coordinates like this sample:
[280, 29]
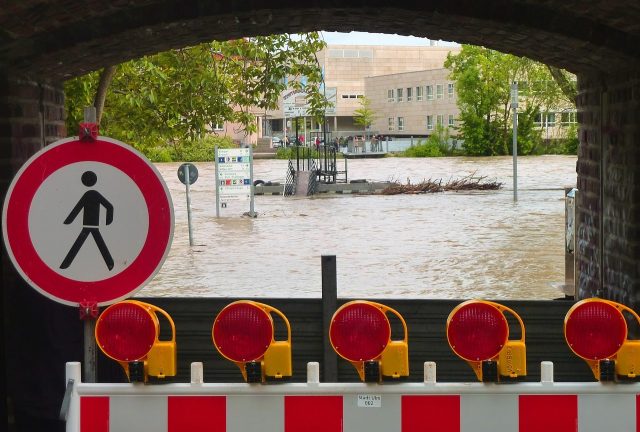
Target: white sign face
[370, 401]
[294, 102]
[234, 174]
[87, 222]
[123, 235]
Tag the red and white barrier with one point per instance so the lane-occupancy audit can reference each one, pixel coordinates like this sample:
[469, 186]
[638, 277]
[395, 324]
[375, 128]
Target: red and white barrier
[354, 407]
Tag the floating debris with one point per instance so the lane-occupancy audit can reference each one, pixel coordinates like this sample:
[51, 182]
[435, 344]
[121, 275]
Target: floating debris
[470, 182]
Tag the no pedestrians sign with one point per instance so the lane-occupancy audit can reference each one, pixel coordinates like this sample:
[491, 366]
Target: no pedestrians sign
[87, 221]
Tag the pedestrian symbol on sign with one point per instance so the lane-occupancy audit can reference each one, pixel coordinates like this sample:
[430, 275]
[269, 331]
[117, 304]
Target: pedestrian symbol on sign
[90, 204]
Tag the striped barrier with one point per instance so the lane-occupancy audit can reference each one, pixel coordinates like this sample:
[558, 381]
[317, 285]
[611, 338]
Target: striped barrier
[352, 407]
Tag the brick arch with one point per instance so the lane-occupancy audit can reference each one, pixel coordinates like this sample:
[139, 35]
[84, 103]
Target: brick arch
[62, 39]
[44, 42]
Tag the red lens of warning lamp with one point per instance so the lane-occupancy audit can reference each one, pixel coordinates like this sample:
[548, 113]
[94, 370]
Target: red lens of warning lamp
[128, 332]
[243, 332]
[596, 331]
[360, 332]
[478, 332]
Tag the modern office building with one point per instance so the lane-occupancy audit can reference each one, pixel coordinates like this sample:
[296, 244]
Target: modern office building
[409, 89]
[354, 71]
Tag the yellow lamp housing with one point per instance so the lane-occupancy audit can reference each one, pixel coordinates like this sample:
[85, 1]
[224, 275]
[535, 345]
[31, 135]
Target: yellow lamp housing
[128, 332]
[360, 333]
[478, 332]
[596, 331]
[243, 332]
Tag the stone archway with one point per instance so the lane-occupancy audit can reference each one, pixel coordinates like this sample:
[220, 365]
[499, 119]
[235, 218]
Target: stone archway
[42, 43]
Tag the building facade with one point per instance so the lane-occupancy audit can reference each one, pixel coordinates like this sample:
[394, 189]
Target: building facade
[352, 72]
[410, 94]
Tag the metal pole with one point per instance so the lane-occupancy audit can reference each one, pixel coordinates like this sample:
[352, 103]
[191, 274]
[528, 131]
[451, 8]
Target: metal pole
[90, 114]
[217, 184]
[187, 183]
[514, 106]
[329, 301]
[90, 348]
[252, 213]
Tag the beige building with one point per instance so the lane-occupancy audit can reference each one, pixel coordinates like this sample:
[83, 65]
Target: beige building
[412, 103]
[353, 71]
[409, 89]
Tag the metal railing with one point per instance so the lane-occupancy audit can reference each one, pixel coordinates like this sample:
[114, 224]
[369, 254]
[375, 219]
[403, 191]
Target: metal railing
[312, 188]
[290, 180]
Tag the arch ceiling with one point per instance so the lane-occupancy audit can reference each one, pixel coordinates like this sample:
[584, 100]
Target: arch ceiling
[59, 39]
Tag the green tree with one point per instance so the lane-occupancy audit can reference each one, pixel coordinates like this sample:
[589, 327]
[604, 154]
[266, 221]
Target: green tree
[364, 116]
[483, 80]
[176, 97]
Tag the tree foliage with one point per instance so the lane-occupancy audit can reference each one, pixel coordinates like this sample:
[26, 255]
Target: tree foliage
[364, 116]
[176, 97]
[483, 80]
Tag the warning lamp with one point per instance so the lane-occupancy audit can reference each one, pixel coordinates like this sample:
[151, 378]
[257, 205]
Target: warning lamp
[478, 332]
[243, 332]
[360, 333]
[596, 331]
[128, 333]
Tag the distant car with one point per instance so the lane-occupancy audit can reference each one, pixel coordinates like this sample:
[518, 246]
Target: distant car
[276, 142]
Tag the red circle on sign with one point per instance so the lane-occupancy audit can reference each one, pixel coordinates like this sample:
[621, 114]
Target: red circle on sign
[36, 272]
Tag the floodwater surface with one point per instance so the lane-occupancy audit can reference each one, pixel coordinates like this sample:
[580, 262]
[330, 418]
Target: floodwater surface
[442, 245]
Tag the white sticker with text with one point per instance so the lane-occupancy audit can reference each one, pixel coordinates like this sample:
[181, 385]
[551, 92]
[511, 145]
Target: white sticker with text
[369, 401]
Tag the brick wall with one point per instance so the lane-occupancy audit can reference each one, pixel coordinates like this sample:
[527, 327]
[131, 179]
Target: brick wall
[608, 225]
[31, 116]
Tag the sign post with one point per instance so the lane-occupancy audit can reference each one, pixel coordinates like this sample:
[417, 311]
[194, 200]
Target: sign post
[514, 106]
[188, 174]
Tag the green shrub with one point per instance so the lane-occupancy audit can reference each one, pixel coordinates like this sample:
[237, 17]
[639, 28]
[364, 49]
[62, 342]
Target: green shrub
[428, 149]
[158, 154]
[203, 150]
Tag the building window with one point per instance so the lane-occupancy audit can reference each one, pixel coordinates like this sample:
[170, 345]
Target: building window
[430, 92]
[429, 122]
[390, 96]
[567, 118]
[439, 93]
[451, 124]
[217, 126]
[392, 124]
[545, 119]
[551, 119]
[450, 89]
[400, 123]
[439, 119]
[419, 93]
[399, 92]
[409, 94]
[538, 119]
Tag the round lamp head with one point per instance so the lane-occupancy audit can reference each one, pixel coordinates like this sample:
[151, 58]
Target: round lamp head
[242, 332]
[359, 331]
[595, 329]
[126, 331]
[477, 331]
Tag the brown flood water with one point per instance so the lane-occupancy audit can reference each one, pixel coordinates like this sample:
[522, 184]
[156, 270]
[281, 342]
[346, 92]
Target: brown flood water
[445, 245]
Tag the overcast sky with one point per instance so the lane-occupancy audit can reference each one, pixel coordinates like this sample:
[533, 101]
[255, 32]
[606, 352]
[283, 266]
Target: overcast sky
[362, 38]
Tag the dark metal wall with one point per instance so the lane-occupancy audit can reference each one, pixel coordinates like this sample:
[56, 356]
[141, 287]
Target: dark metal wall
[426, 321]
